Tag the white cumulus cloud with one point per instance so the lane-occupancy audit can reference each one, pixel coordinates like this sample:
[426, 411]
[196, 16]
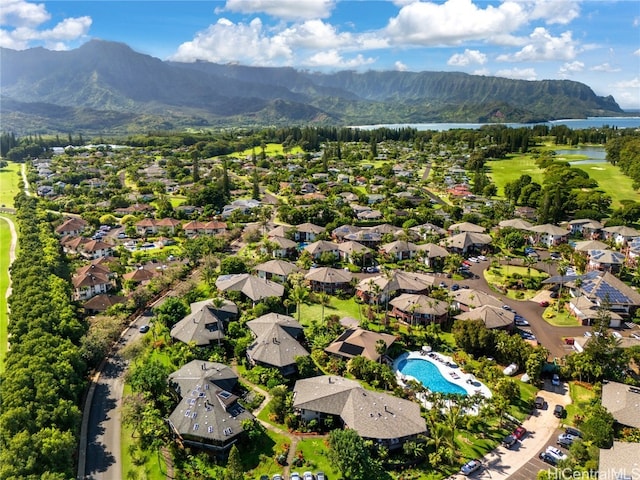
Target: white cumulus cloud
[450, 23]
[333, 59]
[400, 67]
[555, 11]
[286, 9]
[605, 67]
[570, 67]
[543, 46]
[226, 41]
[467, 58]
[518, 73]
[315, 34]
[22, 26]
[19, 13]
[637, 52]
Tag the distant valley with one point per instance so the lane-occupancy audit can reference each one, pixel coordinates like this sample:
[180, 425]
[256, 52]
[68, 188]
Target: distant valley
[106, 87]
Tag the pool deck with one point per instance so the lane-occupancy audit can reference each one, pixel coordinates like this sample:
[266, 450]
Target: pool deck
[444, 364]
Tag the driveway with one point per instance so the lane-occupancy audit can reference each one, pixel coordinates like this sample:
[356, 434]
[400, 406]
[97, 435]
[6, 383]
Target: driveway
[522, 460]
[551, 337]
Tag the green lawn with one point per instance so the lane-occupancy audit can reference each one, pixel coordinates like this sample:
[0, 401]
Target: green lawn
[9, 180]
[337, 306]
[581, 396]
[147, 464]
[5, 241]
[610, 179]
[504, 171]
[496, 276]
[314, 451]
[271, 149]
[559, 319]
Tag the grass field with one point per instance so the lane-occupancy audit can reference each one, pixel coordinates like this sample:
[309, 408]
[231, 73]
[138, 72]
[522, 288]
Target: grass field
[559, 319]
[581, 397]
[9, 180]
[610, 179]
[272, 149]
[314, 451]
[342, 308]
[5, 241]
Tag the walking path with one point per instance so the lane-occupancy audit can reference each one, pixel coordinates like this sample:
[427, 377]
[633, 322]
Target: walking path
[293, 438]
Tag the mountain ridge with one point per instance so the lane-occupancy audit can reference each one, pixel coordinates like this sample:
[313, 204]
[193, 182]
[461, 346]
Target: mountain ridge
[145, 92]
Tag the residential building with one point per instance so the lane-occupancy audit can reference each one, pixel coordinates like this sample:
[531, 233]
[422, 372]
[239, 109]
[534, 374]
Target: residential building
[357, 341]
[208, 414]
[276, 342]
[386, 420]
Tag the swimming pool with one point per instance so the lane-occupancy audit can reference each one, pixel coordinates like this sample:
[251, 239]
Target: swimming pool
[428, 375]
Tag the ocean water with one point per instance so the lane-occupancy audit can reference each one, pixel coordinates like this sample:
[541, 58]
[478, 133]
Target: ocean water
[591, 122]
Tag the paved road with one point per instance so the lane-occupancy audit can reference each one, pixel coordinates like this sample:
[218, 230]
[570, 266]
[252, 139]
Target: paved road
[521, 462]
[549, 336]
[101, 455]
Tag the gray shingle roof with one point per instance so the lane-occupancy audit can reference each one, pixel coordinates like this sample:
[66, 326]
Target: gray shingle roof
[621, 462]
[253, 287]
[373, 415]
[207, 411]
[493, 317]
[275, 342]
[623, 402]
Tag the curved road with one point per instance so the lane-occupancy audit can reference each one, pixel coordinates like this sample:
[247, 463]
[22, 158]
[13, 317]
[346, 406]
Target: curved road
[99, 451]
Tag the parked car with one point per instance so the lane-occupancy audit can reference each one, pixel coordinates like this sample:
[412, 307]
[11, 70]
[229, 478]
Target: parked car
[544, 303]
[294, 476]
[482, 258]
[455, 287]
[519, 432]
[471, 467]
[144, 328]
[264, 477]
[558, 411]
[473, 260]
[509, 441]
[277, 476]
[320, 476]
[547, 458]
[555, 255]
[307, 476]
[539, 402]
[553, 295]
[555, 381]
[588, 334]
[507, 308]
[442, 285]
[565, 440]
[635, 335]
[521, 322]
[617, 335]
[556, 453]
[573, 431]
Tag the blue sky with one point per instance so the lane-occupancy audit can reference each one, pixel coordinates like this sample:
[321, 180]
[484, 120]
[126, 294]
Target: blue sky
[594, 42]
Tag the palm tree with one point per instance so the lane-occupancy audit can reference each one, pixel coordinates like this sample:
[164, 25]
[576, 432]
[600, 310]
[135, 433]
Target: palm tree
[529, 262]
[563, 266]
[299, 295]
[381, 348]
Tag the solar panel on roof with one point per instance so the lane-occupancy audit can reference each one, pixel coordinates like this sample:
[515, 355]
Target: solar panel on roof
[351, 349]
[346, 334]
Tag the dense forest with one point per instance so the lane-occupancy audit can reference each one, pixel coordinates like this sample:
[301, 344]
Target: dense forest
[45, 372]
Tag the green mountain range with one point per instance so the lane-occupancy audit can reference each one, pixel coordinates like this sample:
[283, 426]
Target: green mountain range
[106, 87]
